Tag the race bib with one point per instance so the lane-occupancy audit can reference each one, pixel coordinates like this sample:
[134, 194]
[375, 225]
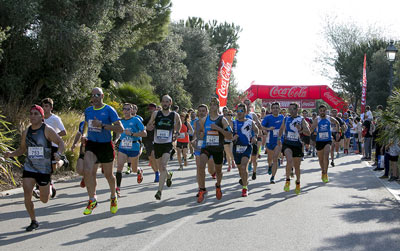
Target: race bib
[36, 152]
[182, 135]
[241, 149]
[91, 128]
[163, 134]
[293, 136]
[275, 132]
[323, 135]
[126, 143]
[200, 143]
[212, 138]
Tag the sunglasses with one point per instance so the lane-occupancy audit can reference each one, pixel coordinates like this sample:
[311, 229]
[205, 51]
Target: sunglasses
[97, 95]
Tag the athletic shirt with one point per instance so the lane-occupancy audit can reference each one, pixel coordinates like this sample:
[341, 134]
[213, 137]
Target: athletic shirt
[38, 159]
[164, 128]
[139, 117]
[183, 134]
[131, 143]
[199, 142]
[324, 132]
[107, 115]
[55, 122]
[292, 136]
[276, 122]
[213, 140]
[244, 130]
[347, 121]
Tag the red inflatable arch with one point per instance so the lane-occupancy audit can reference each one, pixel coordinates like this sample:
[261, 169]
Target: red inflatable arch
[299, 93]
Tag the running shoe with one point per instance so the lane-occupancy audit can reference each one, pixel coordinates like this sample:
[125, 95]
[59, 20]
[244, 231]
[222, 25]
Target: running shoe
[34, 225]
[254, 176]
[286, 188]
[36, 193]
[118, 192]
[200, 195]
[140, 176]
[128, 170]
[297, 189]
[214, 176]
[113, 205]
[53, 191]
[272, 180]
[245, 192]
[91, 205]
[218, 192]
[156, 176]
[325, 178]
[158, 195]
[169, 179]
[82, 184]
[269, 170]
[180, 168]
[384, 177]
[332, 164]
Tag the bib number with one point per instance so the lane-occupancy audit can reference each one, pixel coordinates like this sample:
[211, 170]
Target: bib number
[292, 136]
[126, 143]
[163, 134]
[323, 135]
[182, 135]
[275, 133]
[241, 149]
[92, 128]
[36, 152]
[212, 138]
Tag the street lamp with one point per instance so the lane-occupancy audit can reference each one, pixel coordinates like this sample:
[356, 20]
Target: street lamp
[391, 51]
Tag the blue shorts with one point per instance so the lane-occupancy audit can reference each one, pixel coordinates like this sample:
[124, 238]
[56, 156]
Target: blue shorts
[238, 156]
[197, 153]
[130, 154]
[271, 147]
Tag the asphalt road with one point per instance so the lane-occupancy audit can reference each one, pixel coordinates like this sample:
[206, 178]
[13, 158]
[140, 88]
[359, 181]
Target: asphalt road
[352, 212]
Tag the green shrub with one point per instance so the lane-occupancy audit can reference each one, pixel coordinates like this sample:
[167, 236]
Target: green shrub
[6, 165]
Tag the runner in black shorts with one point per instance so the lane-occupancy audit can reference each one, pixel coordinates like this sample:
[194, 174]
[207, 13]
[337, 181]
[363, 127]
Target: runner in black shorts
[166, 125]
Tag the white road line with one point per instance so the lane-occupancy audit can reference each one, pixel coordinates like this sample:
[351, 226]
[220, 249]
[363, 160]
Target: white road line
[392, 187]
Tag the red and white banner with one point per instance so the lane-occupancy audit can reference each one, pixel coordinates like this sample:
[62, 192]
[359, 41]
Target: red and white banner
[224, 74]
[364, 86]
[296, 93]
[304, 104]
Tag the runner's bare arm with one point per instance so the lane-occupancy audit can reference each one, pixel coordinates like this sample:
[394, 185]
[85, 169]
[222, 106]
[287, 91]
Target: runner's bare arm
[305, 128]
[77, 137]
[178, 123]
[227, 130]
[115, 127]
[21, 149]
[53, 137]
[314, 125]
[150, 124]
[282, 129]
[255, 128]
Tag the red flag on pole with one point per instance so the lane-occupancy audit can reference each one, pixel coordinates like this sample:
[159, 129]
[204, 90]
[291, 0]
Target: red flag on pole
[364, 86]
[224, 74]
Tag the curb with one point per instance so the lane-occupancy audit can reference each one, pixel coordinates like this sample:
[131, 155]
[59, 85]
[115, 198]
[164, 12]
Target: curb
[392, 187]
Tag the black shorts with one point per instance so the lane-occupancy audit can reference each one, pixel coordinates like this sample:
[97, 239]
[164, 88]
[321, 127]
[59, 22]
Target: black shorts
[334, 136]
[218, 156]
[182, 145]
[320, 145]
[160, 149]
[254, 150]
[41, 178]
[393, 158]
[104, 151]
[297, 151]
[149, 147]
[306, 139]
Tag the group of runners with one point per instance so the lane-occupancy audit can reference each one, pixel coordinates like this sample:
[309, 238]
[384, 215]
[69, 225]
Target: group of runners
[210, 135]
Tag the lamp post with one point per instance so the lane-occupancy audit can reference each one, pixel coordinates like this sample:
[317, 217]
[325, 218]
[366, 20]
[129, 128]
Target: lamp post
[391, 51]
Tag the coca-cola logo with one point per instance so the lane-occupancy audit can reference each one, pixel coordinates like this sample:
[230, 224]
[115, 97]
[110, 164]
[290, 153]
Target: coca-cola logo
[332, 98]
[223, 78]
[308, 104]
[288, 92]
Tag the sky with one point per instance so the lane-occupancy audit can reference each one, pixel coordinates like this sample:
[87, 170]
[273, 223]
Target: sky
[281, 39]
